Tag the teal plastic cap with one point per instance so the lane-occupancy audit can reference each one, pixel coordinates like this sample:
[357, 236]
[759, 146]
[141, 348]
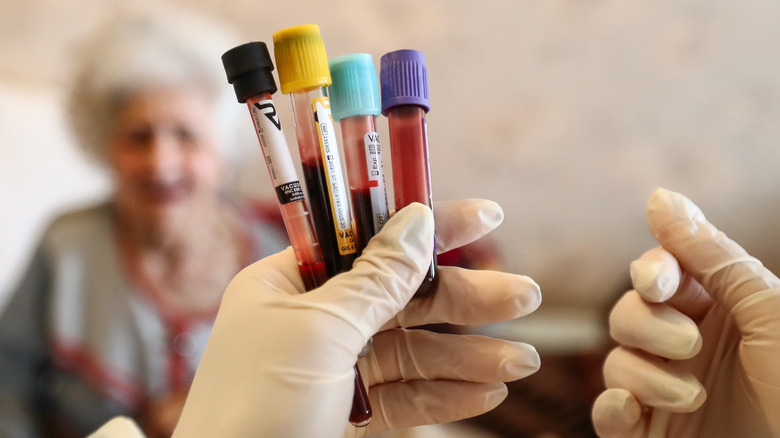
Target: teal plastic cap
[355, 88]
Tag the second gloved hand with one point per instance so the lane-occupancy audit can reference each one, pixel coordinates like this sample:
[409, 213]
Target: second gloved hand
[280, 362]
[699, 335]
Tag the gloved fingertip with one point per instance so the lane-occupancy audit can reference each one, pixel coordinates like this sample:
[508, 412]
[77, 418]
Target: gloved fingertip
[701, 397]
[522, 361]
[490, 213]
[652, 281]
[495, 395]
[696, 347]
[527, 296]
[665, 206]
[683, 343]
[625, 403]
[615, 411]
[687, 395]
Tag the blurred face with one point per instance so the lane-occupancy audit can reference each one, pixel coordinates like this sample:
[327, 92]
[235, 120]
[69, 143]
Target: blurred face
[164, 156]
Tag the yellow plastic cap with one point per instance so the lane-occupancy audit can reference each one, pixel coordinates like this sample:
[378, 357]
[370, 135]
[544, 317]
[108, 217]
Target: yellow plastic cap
[301, 60]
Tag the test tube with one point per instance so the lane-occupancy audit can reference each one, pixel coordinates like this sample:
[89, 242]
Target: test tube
[404, 83]
[354, 96]
[248, 68]
[304, 75]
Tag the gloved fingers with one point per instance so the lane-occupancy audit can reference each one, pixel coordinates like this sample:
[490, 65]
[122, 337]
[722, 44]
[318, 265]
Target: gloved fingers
[657, 277]
[656, 328]
[653, 381]
[718, 263]
[467, 297]
[406, 355]
[460, 222]
[416, 403]
[617, 413]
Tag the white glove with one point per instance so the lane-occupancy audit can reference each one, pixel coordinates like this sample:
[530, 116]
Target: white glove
[279, 362]
[699, 336]
[118, 427]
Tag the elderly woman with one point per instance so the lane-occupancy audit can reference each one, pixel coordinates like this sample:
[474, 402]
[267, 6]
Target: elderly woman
[116, 306]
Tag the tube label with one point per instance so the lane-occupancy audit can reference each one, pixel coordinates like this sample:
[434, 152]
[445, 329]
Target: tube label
[334, 174]
[376, 179]
[277, 156]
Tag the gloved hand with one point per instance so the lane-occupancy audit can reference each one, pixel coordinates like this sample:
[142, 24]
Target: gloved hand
[699, 336]
[279, 362]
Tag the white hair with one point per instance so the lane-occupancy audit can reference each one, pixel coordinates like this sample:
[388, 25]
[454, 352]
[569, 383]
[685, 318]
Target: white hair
[143, 48]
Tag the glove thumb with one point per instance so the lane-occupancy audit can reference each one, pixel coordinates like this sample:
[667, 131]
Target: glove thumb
[386, 275]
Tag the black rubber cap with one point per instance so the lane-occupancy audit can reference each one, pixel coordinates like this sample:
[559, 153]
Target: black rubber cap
[248, 68]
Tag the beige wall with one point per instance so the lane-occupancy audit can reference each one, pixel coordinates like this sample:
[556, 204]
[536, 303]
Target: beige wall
[566, 112]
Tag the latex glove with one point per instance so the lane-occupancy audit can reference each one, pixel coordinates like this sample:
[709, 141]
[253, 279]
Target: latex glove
[699, 335]
[118, 427]
[279, 362]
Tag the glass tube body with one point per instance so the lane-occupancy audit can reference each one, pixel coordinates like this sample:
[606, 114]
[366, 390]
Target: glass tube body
[292, 205]
[363, 155]
[411, 170]
[324, 179]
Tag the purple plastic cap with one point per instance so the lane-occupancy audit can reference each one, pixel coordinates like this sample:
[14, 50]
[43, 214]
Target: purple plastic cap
[404, 80]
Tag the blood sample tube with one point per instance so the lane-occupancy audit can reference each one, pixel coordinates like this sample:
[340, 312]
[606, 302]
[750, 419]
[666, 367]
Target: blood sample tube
[304, 75]
[404, 81]
[354, 97]
[248, 68]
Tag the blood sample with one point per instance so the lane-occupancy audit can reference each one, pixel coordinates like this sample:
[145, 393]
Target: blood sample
[304, 74]
[404, 80]
[354, 96]
[248, 68]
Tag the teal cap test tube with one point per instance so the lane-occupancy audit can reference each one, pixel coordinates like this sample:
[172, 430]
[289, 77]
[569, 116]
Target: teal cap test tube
[355, 103]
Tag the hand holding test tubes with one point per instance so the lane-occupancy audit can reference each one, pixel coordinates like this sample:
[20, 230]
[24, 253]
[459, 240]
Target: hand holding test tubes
[325, 242]
[291, 375]
[249, 70]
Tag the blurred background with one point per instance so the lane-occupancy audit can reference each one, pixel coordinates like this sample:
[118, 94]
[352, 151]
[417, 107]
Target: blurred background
[567, 113]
